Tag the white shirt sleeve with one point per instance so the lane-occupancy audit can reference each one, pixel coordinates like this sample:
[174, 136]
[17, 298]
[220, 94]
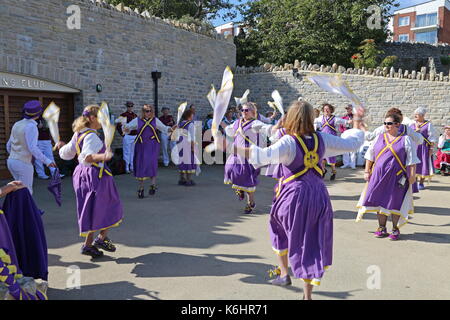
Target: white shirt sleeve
[350, 141]
[68, 151]
[31, 138]
[162, 127]
[132, 125]
[91, 145]
[229, 130]
[411, 152]
[432, 133]
[416, 137]
[339, 121]
[265, 119]
[8, 145]
[191, 132]
[282, 152]
[260, 127]
[441, 142]
[317, 123]
[370, 154]
[370, 136]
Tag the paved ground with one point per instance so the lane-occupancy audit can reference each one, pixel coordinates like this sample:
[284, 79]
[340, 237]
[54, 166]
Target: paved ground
[194, 243]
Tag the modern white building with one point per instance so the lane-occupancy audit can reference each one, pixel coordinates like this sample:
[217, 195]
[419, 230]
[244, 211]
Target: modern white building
[229, 29]
[427, 22]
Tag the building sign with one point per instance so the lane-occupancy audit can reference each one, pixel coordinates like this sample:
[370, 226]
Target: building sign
[15, 81]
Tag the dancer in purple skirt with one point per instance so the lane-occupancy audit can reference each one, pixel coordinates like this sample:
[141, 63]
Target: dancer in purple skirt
[183, 154]
[329, 123]
[390, 172]
[98, 203]
[147, 147]
[416, 138]
[301, 218]
[424, 150]
[238, 171]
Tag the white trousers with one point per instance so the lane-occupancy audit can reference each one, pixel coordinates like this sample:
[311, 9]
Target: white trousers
[166, 146]
[349, 159]
[22, 171]
[46, 147]
[128, 151]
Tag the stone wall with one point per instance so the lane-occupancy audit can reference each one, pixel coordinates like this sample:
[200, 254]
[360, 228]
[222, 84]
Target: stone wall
[378, 93]
[115, 47]
[414, 56]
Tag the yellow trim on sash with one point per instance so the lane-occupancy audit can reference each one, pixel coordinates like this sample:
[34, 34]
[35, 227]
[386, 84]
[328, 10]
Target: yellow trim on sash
[80, 138]
[240, 130]
[77, 147]
[309, 163]
[147, 124]
[328, 124]
[424, 138]
[389, 147]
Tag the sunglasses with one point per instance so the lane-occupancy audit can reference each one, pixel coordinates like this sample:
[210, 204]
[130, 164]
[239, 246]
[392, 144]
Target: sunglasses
[245, 110]
[390, 123]
[147, 111]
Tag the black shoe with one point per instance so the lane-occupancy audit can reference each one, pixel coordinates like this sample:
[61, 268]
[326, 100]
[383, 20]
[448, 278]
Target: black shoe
[141, 193]
[152, 190]
[333, 176]
[91, 251]
[324, 173]
[181, 183]
[105, 244]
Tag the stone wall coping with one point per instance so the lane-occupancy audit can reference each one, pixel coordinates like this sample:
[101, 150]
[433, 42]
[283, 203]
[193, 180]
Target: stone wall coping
[388, 73]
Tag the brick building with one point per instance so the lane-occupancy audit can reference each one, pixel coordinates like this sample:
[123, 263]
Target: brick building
[427, 22]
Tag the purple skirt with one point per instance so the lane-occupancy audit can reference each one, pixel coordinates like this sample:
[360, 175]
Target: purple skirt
[27, 232]
[145, 159]
[6, 242]
[187, 166]
[98, 202]
[301, 225]
[331, 160]
[424, 169]
[241, 174]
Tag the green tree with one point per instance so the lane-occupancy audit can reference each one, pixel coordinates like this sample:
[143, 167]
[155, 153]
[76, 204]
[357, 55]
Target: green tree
[318, 31]
[198, 9]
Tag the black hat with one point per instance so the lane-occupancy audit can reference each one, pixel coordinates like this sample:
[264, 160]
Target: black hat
[129, 104]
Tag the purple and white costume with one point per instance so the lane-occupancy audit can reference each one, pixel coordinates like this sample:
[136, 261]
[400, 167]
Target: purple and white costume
[182, 154]
[329, 125]
[301, 218]
[384, 193]
[238, 171]
[425, 167]
[98, 202]
[147, 146]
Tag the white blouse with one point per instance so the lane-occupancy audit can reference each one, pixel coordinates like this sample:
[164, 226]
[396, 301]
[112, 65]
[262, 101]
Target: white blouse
[337, 122]
[284, 150]
[410, 147]
[133, 125]
[416, 137]
[92, 144]
[257, 126]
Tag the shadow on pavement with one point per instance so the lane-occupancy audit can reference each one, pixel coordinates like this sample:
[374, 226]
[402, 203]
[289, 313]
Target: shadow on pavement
[122, 290]
[174, 265]
[427, 237]
[432, 210]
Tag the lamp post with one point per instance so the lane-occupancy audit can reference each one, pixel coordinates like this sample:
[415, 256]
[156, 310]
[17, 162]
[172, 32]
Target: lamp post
[156, 75]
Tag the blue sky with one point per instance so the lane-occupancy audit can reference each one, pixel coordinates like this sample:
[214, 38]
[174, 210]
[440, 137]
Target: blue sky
[403, 3]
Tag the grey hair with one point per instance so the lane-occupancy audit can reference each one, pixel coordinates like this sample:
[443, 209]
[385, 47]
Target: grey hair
[420, 110]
